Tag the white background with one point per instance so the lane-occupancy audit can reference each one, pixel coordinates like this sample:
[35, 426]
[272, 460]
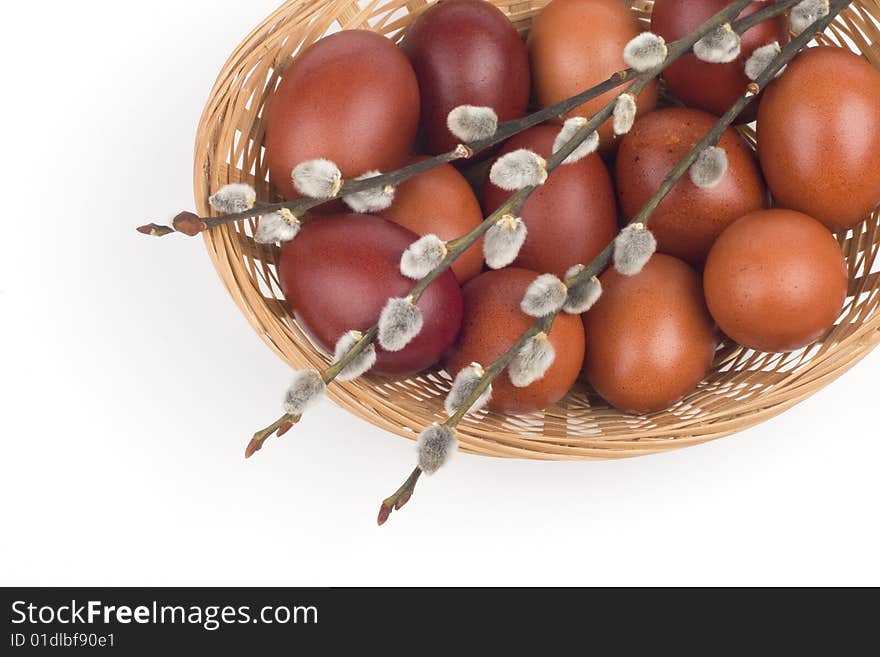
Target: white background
[130, 384]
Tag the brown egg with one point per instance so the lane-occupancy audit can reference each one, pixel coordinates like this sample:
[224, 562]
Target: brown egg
[352, 98]
[465, 52]
[649, 338]
[689, 219]
[441, 202]
[820, 148]
[576, 44]
[570, 218]
[493, 322]
[705, 86]
[339, 272]
[775, 280]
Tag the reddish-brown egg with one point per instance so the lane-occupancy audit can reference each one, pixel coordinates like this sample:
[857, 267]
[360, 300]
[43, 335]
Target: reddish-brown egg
[705, 86]
[775, 280]
[493, 322]
[570, 218]
[649, 338]
[576, 44]
[441, 201]
[352, 98]
[819, 137]
[339, 272]
[689, 219]
[465, 52]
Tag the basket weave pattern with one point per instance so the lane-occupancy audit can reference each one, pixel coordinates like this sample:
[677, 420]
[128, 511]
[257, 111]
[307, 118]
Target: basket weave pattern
[743, 388]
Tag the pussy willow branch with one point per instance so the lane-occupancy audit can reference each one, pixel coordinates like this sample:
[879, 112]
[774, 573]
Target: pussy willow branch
[515, 202]
[504, 132]
[598, 264]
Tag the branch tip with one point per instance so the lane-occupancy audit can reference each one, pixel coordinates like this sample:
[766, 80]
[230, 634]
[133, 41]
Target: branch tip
[155, 230]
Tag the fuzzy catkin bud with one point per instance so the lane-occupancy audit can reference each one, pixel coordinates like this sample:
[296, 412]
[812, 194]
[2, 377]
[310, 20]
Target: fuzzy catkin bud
[709, 168]
[583, 294]
[644, 52]
[503, 241]
[361, 364]
[374, 199]
[317, 178]
[399, 323]
[720, 46]
[624, 114]
[307, 387]
[589, 144]
[422, 256]
[280, 226]
[435, 445]
[808, 12]
[546, 295]
[233, 198]
[464, 385]
[518, 169]
[633, 247]
[532, 361]
[760, 59]
[471, 123]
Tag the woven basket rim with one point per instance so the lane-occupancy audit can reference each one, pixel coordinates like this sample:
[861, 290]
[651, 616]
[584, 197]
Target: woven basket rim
[742, 390]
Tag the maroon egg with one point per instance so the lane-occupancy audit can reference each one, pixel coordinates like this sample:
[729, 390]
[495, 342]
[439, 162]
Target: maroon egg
[775, 280]
[442, 203]
[352, 98]
[649, 339]
[820, 150]
[575, 45]
[493, 322]
[339, 272]
[466, 52]
[570, 218]
[712, 87]
[689, 218]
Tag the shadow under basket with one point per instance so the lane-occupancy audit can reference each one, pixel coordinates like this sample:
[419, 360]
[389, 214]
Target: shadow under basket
[743, 388]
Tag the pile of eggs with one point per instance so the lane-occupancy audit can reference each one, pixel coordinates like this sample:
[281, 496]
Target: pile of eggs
[753, 259]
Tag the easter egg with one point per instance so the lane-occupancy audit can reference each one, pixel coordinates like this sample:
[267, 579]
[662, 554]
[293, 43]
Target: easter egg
[352, 98]
[575, 45]
[819, 137]
[689, 219]
[702, 85]
[440, 202]
[465, 52]
[493, 322]
[649, 339]
[338, 274]
[775, 280]
[570, 218]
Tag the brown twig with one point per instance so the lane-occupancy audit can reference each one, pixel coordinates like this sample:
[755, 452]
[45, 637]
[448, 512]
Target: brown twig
[504, 132]
[598, 264]
[400, 497]
[515, 202]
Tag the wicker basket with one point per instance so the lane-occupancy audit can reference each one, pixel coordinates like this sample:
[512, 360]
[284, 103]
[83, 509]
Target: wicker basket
[743, 388]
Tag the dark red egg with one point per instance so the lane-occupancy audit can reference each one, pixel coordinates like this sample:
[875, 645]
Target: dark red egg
[820, 149]
[352, 98]
[493, 322]
[705, 86]
[576, 44]
[465, 52]
[775, 280]
[570, 218]
[441, 202]
[689, 219]
[649, 339]
[339, 272]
